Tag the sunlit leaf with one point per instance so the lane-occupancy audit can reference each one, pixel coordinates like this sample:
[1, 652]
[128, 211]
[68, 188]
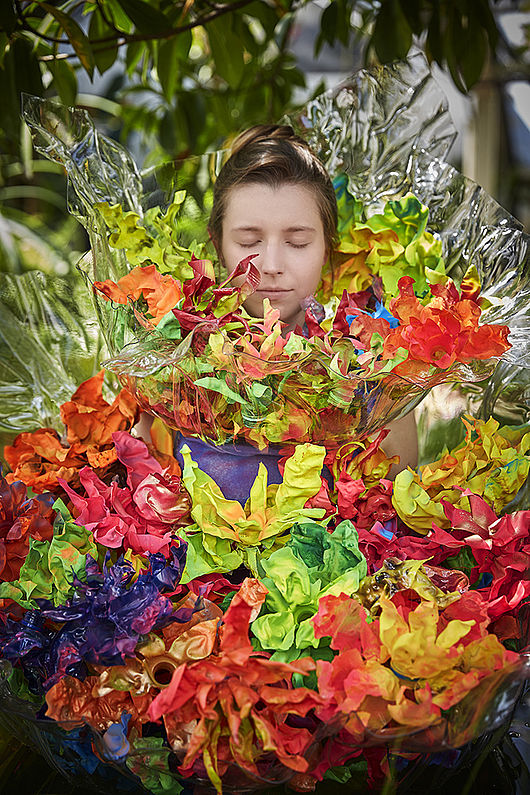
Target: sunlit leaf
[76, 37]
[227, 51]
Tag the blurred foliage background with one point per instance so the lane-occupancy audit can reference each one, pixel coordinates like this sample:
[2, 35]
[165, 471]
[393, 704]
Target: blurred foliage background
[174, 78]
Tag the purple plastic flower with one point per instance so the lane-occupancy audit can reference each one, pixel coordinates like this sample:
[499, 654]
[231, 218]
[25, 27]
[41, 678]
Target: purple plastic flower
[103, 622]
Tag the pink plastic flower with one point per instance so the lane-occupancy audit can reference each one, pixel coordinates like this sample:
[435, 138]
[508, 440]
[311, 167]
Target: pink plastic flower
[140, 516]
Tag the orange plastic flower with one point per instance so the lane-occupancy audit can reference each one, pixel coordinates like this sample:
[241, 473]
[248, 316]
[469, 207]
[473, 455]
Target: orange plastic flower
[161, 292]
[237, 694]
[442, 332]
[40, 457]
[90, 420]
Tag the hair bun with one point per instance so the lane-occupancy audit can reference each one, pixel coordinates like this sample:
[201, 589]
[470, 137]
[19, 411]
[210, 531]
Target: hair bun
[265, 133]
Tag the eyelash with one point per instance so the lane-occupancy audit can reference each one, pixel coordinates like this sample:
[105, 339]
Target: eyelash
[257, 242]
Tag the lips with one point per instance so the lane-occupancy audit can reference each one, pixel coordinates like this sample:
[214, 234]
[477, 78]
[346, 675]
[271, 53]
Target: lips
[273, 291]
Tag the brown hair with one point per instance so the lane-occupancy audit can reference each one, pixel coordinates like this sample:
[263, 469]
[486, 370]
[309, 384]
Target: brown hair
[273, 155]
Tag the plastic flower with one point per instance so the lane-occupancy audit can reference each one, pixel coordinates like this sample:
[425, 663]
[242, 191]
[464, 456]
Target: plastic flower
[101, 618]
[72, 701]
[226, 534]
[21, 518]
[206, 302]
[160, 292]
[491, 462]
[51, 566]
[40, 458]
[143, 514]
[365, 506]
[405, 666]
[442, 332]
[361, 460]
[236, 702]
[501, 548]
[90, 420]
[313, 563]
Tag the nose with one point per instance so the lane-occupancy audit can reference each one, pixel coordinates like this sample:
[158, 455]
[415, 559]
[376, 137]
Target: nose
[270, 260]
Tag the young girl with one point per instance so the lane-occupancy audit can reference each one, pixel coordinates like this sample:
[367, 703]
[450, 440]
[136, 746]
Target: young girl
[274, 199]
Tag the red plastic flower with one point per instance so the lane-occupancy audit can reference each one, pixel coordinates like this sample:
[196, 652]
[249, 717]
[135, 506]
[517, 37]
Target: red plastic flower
[501, 548]
[141, 516]
[21, 518]
[237, 701]
[442, 332]
[365, 506]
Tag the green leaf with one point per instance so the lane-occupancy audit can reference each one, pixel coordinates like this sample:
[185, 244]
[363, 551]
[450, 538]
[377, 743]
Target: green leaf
[171, 54]
[454, 41]
[226, 49]
[434, 44]
[328, 26]
[8, 16]
[412, 9]
[135, 50]
[266, 14]
[473, 55]
[392, 36]
[118, 17]
[106, 53]
[20, 74]
[76, 37]
[483, 15]
[147, 19]
[64, 80]
[219, 385]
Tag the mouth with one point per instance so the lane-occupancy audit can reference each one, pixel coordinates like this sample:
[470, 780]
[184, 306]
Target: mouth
[273, 291]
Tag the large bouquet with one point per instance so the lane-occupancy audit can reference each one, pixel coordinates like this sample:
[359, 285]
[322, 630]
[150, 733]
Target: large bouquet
[330, 627]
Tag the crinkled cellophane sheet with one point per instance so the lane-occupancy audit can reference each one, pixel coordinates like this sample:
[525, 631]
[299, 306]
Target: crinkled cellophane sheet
[389, 130]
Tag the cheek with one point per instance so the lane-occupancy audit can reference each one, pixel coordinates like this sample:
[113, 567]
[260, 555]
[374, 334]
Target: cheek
[310, 272]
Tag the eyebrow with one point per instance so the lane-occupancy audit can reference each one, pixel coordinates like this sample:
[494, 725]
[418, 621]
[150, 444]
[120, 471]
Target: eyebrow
[290, 229]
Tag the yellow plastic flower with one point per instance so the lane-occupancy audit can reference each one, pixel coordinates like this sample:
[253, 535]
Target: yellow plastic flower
[490, 462]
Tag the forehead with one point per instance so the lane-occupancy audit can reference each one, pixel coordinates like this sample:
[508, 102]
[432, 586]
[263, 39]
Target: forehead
[263, 205]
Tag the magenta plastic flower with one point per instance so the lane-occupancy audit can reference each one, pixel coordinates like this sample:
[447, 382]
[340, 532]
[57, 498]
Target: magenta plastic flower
[140, 516]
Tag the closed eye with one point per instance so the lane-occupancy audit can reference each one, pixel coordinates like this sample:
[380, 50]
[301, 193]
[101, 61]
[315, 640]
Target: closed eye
[298, 245]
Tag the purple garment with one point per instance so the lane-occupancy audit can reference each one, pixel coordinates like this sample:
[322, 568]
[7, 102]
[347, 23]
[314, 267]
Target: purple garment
[233, 466]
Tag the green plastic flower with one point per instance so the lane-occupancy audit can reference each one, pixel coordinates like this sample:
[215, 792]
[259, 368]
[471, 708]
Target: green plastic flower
[313, 564]
[50, 566]
[226, 534]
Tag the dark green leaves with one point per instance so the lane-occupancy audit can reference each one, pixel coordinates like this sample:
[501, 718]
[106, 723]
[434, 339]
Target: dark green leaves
[334, 24]
[392, 36]
[64, 80]
[20, 73]
[171, 55]
[460, 34]
[147, 19]
[103, 40]
[227, 51]
[8, 16]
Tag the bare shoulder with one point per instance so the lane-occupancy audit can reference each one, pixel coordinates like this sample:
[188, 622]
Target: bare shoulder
[402, 441]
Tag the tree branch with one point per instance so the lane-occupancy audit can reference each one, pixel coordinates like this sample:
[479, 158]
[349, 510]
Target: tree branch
[125, 38]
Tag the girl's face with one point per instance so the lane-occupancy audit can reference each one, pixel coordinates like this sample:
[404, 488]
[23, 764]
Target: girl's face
[283, 227]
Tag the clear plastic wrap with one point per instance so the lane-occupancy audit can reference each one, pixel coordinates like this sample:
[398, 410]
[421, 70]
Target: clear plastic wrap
[388, 129]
